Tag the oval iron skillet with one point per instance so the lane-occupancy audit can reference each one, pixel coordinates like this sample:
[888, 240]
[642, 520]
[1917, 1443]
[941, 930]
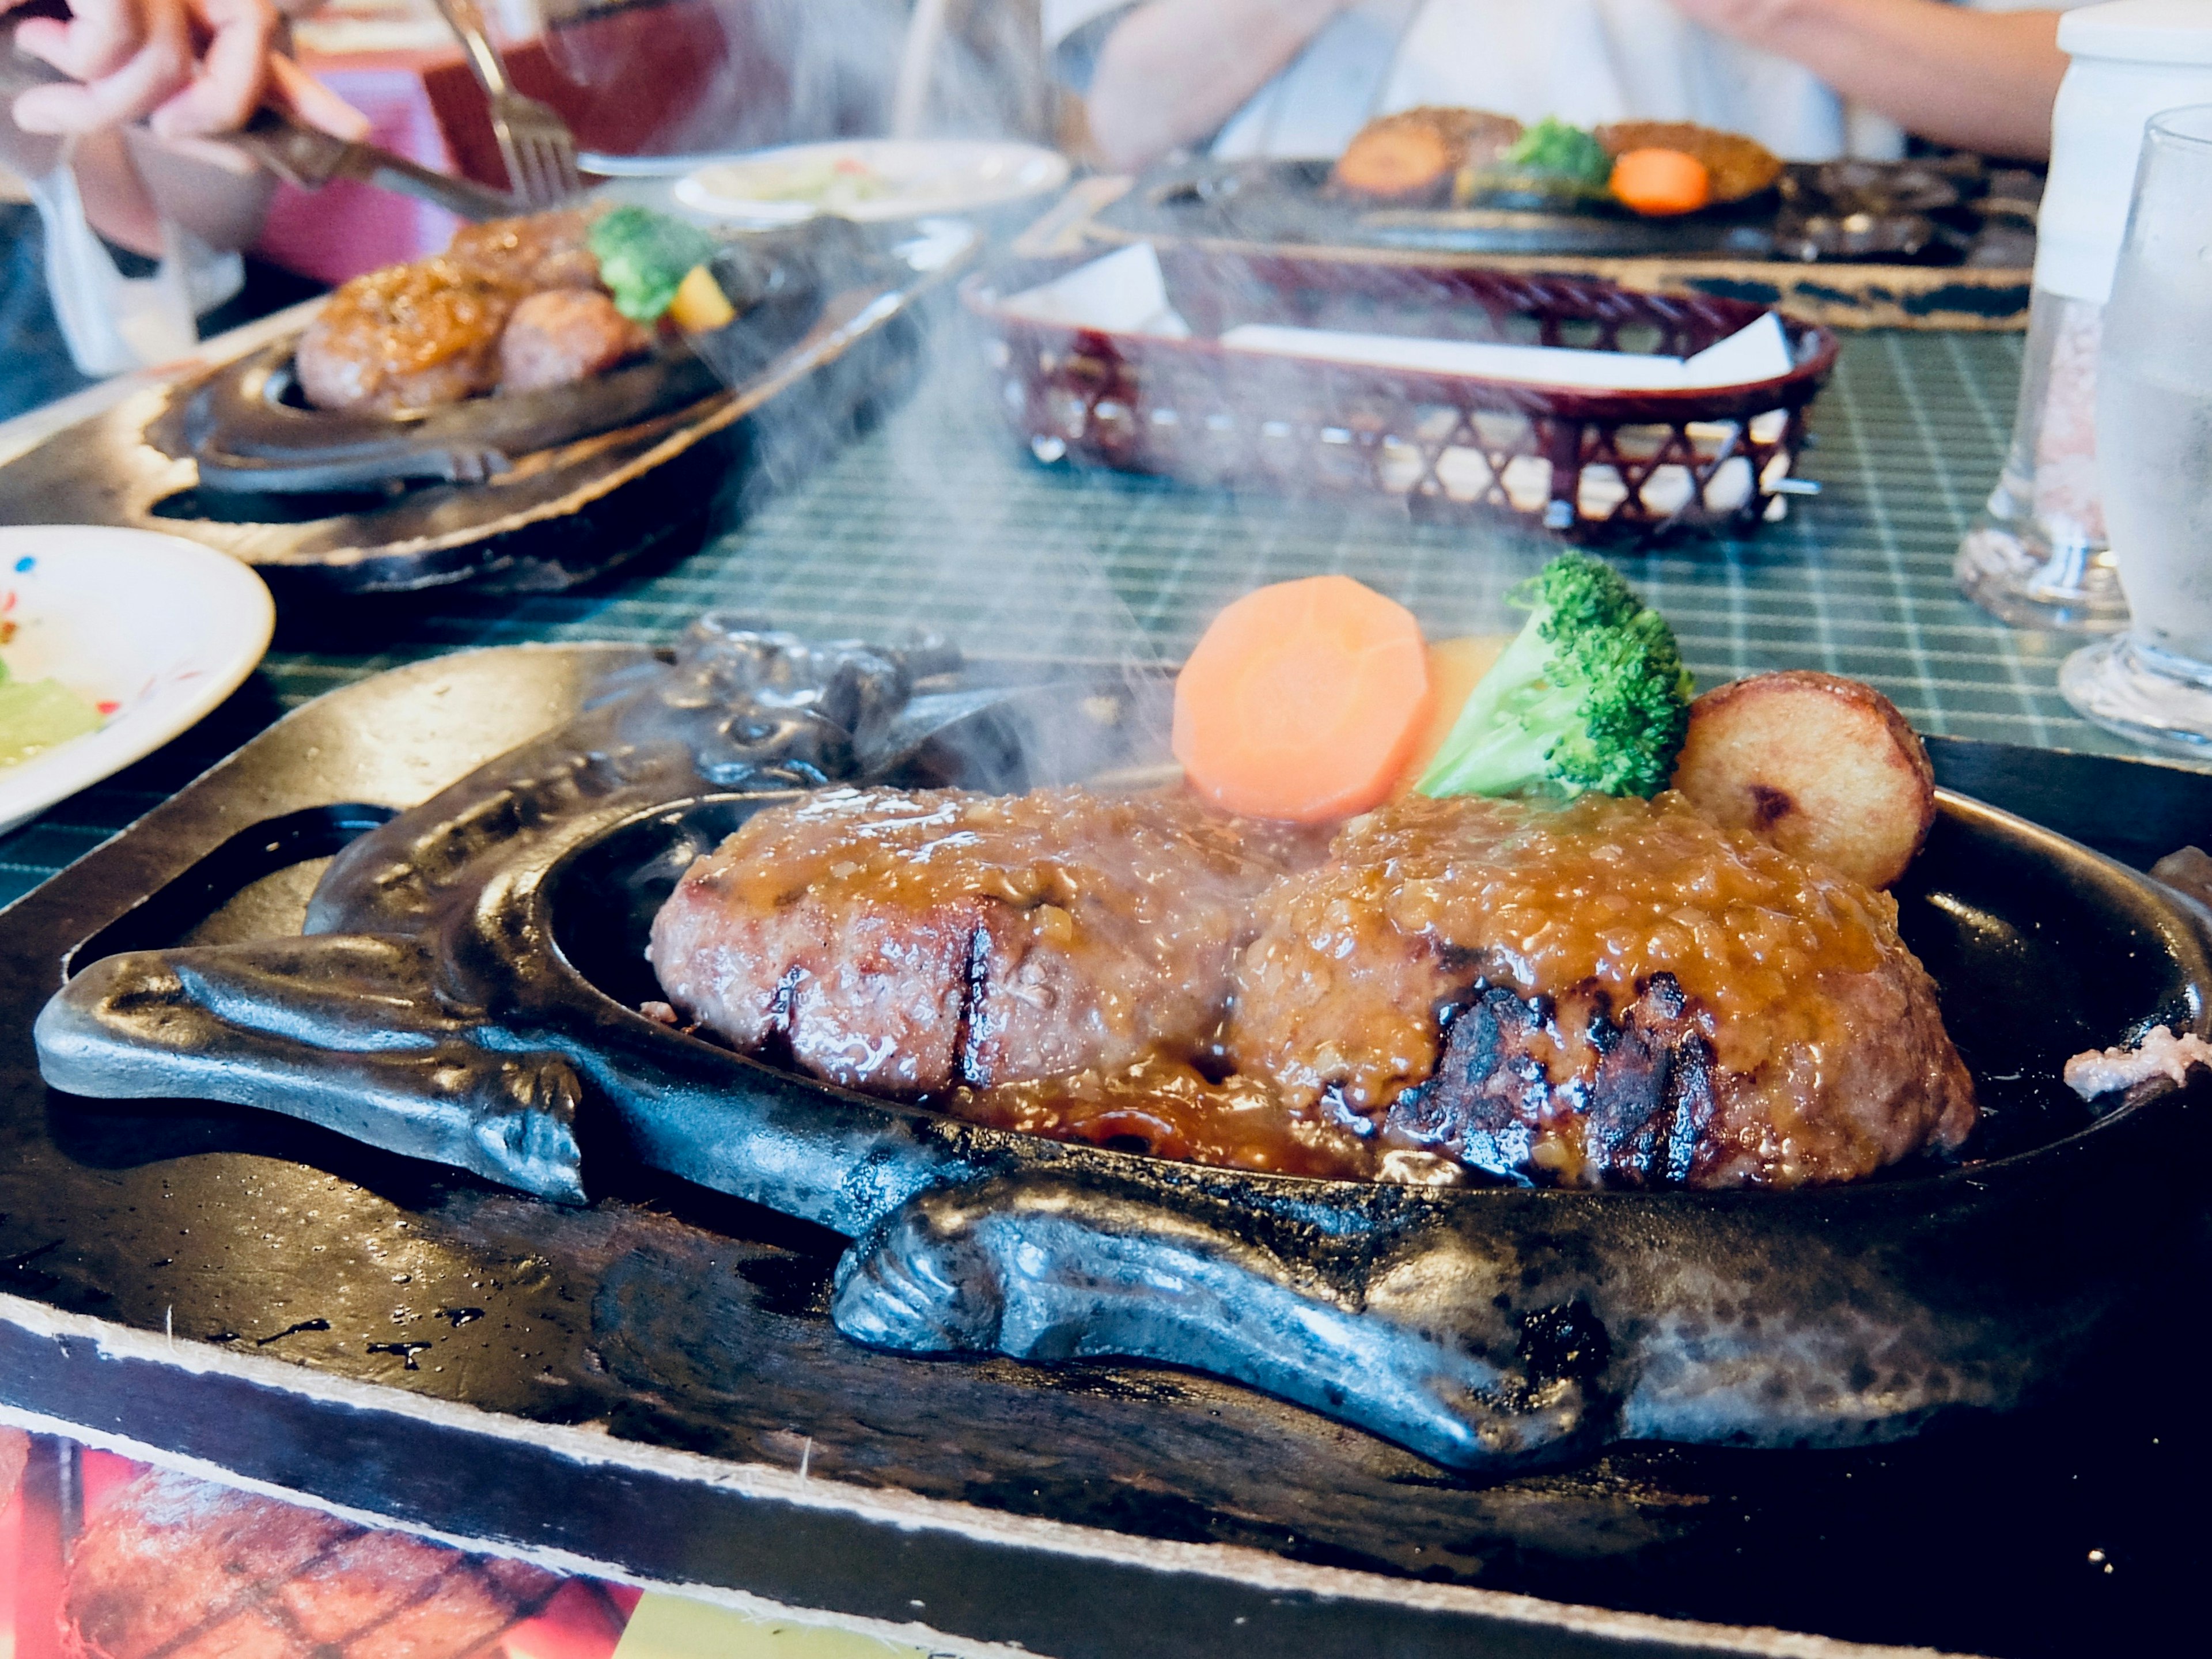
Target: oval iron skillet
[248, 429]
[243, 428]
[1481, 1326]
[466, 989]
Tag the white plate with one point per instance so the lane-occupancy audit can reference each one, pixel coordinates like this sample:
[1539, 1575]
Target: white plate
[154, 630]
[870, 179]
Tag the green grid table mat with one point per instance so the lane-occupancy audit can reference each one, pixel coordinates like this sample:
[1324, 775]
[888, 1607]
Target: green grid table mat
[938, 520]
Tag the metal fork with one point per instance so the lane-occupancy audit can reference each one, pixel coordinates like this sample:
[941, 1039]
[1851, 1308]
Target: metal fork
[534, 142]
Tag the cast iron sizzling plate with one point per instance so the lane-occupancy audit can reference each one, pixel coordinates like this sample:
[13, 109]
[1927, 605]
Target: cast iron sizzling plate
[467, 988]
[263, 1298]
[533, 492]
[246, 431]
[1934, 212]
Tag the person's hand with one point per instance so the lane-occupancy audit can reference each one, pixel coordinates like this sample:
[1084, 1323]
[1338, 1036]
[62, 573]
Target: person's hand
[188, 68]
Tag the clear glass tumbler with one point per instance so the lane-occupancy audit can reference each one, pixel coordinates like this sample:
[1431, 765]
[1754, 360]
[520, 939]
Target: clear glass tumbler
[2154, 683]
[2037, 556]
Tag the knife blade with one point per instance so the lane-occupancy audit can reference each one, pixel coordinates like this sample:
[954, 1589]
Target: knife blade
[310, 158]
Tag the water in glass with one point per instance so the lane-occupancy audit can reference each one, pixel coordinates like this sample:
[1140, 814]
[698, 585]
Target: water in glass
[2154, 683]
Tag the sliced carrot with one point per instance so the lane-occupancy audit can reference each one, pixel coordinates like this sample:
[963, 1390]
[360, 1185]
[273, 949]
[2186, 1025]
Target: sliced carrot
[1454, 667]
[1658, 182]
[1302, 700]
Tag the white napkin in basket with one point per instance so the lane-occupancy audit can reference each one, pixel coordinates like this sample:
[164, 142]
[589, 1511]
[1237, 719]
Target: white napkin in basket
[1121, 294]
[1759, 352]
[1124, 292]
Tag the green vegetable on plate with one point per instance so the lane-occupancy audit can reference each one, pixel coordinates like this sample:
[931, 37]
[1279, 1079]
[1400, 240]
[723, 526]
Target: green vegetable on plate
[1556, 151]
[644, 257]
[36, 714]
[1591, 695]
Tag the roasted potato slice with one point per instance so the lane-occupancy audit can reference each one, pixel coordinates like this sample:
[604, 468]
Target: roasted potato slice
[1824, 767]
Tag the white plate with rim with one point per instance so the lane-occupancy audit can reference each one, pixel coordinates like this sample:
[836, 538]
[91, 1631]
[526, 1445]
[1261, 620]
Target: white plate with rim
[153, 630]
[872, 180]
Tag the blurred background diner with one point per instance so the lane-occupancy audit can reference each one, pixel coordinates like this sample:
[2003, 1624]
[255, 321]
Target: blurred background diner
[1121, 84]
[669, 77]
[1810, 79]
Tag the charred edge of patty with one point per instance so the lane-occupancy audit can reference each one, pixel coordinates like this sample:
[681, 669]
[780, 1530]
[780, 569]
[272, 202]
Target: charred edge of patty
[1644, 1112]
[972, 1028]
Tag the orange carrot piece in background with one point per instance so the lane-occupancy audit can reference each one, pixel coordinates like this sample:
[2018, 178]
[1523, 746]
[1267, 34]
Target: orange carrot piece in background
[1659, 182]
[1302, 700]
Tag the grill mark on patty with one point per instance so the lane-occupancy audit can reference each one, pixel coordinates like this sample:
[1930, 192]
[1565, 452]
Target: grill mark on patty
[779, 1006]
[1653, 1094]
[973, 1028]
[1637, 1117]
[1690, 1105]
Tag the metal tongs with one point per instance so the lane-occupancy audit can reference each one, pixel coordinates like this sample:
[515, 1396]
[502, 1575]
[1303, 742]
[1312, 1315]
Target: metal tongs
[304, 155]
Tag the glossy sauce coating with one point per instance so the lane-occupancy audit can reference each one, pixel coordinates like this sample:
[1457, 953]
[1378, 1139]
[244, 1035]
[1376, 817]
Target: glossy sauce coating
[1684, 1005]
[408, 337]
[1060, 847]
[1541, 898]
[1777, 1030]
[1172, 1109]
[916, 942]
[540, 251]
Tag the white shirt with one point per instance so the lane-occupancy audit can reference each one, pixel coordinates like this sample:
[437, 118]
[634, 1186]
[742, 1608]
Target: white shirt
[1585, 61]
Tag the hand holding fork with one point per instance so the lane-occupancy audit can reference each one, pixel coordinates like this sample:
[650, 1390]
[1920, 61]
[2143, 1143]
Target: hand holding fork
[190, 69]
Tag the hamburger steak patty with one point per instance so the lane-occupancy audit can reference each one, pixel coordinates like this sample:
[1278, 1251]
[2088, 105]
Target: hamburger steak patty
[562, 335]
[1616, 992]
[1613, 993]
[912, 943]
[407, 337]
[513, 303]
[540, 250]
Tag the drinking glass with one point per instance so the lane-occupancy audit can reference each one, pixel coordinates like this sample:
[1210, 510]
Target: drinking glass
[2154, 683]
[2036, 555]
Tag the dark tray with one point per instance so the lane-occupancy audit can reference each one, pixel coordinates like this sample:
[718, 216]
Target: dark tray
[1964, 265]
[650, 1386]
[1948, 211]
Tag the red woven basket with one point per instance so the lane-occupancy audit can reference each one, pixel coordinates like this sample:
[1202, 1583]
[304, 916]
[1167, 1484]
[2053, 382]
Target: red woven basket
[1585, 464]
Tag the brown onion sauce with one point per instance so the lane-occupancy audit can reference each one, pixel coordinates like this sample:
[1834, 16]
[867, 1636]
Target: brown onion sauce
[1036, 852]
[1618, 890]
[1170, 1108]
[1548, 898]
[1544, 897]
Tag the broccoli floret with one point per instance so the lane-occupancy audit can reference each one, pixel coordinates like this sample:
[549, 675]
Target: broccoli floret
[1591, 694]
[1553, 148]
[644, 257]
